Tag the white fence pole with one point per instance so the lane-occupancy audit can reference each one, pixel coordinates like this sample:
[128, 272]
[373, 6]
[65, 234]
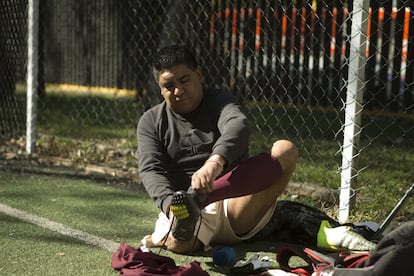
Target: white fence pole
[32, 74]
[353, 107]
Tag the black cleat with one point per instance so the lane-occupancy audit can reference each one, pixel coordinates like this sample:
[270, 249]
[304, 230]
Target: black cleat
[186, 213]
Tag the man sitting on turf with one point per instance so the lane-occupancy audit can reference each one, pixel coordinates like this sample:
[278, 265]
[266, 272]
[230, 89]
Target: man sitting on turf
[193, 161]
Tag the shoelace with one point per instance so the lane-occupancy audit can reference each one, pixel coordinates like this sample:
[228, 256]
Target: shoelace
[169, 231]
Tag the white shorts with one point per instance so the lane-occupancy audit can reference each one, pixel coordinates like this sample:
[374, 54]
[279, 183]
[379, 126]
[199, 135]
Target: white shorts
[215, 227]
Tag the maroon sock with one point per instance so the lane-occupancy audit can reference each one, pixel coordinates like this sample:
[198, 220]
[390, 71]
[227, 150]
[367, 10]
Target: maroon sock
[251, 176]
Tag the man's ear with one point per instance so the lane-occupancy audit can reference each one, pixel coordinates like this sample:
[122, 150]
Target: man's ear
[159, 85]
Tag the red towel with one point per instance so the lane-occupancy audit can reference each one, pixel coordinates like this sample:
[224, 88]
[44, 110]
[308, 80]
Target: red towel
[131, 261]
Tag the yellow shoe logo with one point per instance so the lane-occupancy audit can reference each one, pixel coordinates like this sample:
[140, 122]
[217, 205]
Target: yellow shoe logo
[180, 211]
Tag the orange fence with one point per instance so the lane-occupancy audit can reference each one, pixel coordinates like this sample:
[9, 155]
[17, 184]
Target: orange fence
[306, 50]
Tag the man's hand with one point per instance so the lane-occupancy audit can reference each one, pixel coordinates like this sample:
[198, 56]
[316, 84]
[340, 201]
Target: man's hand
[202, 180]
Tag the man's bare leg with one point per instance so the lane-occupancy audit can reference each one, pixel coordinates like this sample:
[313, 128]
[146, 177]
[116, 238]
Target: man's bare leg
[182, 247]
[245, 212]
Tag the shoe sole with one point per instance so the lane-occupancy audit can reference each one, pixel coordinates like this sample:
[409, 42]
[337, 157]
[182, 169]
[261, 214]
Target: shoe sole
[186, 215]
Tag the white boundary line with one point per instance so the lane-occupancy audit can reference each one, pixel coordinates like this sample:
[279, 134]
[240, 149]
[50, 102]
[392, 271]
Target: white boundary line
[60, 228]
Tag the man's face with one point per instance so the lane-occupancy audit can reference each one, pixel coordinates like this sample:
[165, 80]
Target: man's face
[181, 88]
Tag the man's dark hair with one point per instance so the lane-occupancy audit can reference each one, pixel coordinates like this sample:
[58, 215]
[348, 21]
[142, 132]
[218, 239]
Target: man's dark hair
[173, 55]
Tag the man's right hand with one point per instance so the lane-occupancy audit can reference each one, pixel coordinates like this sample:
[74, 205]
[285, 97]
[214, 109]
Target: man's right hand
[203, 179]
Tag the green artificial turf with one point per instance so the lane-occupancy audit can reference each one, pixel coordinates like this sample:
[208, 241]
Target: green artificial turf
[97, 207]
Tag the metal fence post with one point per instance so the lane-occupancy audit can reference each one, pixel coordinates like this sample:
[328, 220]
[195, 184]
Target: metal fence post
[32, 74]
[353, 107]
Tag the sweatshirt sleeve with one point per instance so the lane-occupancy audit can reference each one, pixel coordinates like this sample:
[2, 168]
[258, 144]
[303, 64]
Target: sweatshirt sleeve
[234, 128]
[152, 160]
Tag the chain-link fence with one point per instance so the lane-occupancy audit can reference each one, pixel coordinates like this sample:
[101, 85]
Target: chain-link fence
[12, 66]
[286, 61]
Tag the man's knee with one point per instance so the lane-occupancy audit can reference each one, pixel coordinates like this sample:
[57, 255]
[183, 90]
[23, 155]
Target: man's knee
[286, 153]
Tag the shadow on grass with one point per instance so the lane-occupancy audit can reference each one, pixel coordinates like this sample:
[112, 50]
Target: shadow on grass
[125, 183]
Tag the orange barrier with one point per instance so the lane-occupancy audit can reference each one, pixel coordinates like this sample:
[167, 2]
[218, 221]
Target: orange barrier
[307, 38]
[238, 15]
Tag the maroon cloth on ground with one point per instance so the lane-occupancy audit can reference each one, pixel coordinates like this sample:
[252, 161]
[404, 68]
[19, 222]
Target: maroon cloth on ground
[132, 261]
[251, 176]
